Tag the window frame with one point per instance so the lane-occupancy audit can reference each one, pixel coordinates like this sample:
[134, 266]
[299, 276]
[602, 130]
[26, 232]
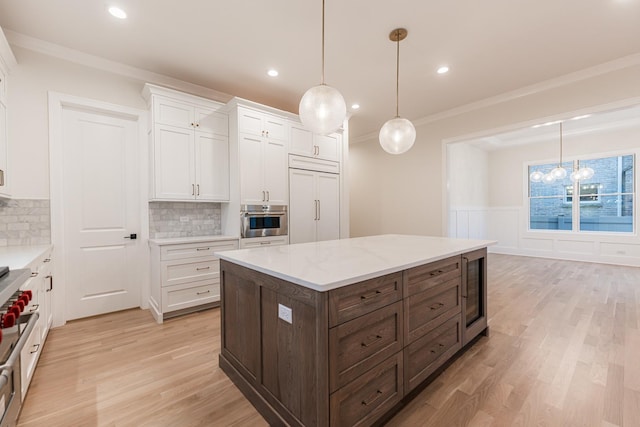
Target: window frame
[575, 206]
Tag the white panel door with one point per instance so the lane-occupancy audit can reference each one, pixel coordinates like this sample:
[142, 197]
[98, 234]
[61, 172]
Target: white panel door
[212, 167]
[250, 122]
[101, 198]
[328, 146]
[328, 194]
[275, 128]
[174, 163]
[301, 141]
[302, 206]
[251, 171]
[275, 172]
[174, 113]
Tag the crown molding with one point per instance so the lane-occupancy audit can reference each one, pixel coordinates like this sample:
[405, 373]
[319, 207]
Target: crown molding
[7, 59]
[75, 56]
[587, 73]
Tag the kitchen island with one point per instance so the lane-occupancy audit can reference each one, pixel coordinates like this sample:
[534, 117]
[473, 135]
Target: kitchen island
[345, 332]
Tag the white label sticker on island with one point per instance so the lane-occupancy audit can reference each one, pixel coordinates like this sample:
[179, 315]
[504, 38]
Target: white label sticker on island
[285, 314]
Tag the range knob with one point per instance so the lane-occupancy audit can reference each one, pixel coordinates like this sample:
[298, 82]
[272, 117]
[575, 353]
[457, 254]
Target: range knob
[20, 304]
[8, 320]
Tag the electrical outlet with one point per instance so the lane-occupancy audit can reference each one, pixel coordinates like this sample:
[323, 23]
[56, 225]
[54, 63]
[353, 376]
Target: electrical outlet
[184, 219]
[285, 313]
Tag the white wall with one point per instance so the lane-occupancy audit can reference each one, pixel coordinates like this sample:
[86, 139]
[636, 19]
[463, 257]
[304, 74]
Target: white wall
[404, 194]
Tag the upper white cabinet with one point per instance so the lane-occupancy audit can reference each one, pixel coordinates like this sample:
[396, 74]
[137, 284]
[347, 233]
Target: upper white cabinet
[7, 61]
[189, 147]
[306, 143]
[262, 157]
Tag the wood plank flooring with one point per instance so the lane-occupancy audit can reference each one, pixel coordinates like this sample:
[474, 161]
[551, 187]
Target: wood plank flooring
[564, 351]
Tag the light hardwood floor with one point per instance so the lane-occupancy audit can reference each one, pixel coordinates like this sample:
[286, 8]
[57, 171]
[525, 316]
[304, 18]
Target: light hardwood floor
[564, 351]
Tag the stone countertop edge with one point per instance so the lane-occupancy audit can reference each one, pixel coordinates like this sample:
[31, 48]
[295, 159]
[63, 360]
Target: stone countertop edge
[344, 278]
[17, 257]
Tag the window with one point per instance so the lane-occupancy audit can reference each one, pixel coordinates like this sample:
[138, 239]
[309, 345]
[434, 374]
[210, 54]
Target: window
[605, 202]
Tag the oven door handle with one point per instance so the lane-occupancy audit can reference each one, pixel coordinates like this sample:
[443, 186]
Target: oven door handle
[7, 368]
[264, 214]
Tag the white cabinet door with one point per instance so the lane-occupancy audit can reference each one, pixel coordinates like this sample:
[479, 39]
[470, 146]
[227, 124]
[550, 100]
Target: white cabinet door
[173, 113]
[4, 152]
[275, 172]
[174, 163]
[250, 122]
[274, 127]
[328, 196]
[212, 167]
[301, 141]
[302, 206]
[328, 146]
[207, 120]
[251, 170]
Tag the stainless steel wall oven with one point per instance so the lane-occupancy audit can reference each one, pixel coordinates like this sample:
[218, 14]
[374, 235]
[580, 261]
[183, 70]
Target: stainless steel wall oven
[263, 221]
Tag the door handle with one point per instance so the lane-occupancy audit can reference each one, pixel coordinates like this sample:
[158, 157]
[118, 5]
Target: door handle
[268, 196]
[197, 189]
[132, 236]
[318, 210]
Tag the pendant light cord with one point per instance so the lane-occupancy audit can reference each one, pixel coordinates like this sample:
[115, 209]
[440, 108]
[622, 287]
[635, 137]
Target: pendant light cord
[322, 77]
[560, 165]
[397, 70]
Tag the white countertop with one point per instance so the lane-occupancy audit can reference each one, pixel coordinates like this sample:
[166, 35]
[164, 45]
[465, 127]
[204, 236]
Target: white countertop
[335, 263]
[21, 256]
[196, 239]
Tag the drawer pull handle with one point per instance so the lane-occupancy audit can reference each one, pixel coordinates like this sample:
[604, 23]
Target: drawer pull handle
[435, 273]
[202, 293]
[371, 295]
[378, 337]
[202, 249]
[36, 348]
[202, 268]
[34, 307]
[440, 345]
[378, 394]
[436, 306]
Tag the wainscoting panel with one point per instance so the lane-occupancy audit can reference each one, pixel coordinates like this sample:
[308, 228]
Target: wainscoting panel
[576, 247]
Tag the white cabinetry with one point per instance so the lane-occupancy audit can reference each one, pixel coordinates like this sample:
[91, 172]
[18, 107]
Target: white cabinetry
[7, 61]
[260, 242]
[314, 210]
[189, 147]
[305, 143]
[185, 275]
[41, 286]
[263, 146]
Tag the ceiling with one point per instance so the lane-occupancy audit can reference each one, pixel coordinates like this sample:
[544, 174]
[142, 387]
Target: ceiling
[491, 47]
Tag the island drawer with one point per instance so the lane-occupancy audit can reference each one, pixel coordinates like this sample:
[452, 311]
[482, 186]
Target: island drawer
[186, 295]
[364, 400]
[428, 353]
[430, 308]
[358, 299]
[358, 345]
[423, 277]
[191, 250]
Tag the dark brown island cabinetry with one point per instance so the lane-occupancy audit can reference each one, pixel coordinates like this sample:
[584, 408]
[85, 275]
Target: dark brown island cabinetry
[352, 355]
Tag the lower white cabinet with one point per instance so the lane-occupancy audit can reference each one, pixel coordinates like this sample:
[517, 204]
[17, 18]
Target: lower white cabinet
[41, 286]
[314, 206]
[185, 275]
[260, 242]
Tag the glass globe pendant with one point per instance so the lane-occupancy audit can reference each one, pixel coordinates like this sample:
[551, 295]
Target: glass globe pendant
[322, 108]
[536, 176]
[398, 134]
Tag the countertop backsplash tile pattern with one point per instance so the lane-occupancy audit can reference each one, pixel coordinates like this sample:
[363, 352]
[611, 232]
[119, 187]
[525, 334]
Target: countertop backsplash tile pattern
[184, 219]
[24, 222]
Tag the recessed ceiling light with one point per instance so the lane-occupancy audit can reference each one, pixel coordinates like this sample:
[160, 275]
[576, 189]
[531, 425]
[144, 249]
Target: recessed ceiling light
[273, 73]
[117, 12]
[443, 70]
[355, 106]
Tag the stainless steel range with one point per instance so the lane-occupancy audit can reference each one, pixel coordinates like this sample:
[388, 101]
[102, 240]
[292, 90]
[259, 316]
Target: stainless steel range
[15, 327]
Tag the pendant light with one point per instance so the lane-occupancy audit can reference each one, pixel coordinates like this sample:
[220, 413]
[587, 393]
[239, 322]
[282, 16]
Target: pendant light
[322, 108]
[398, 134]
[559, 172]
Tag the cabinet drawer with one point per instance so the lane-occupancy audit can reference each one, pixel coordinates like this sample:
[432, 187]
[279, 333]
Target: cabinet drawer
[361, 298]
[362, 401]
[29, 357]
[427, 309]
[186, 295]
[191, 250]
[174, 273]
[358, 345]
[428, 353]
[426, 276]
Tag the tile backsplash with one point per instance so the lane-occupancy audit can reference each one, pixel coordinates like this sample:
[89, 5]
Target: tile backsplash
[24, 222]
[184, 219]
